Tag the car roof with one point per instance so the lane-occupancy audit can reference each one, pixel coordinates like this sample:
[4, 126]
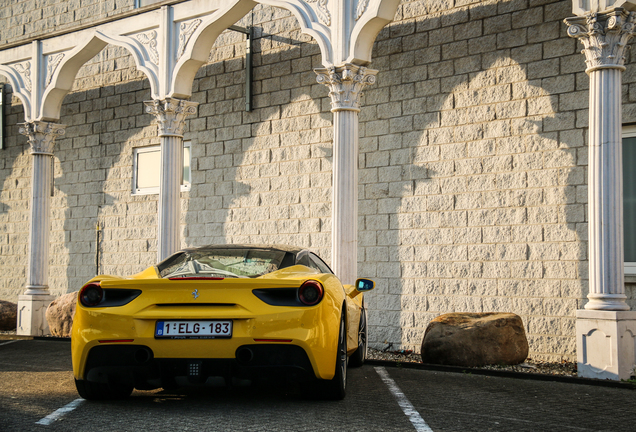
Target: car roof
[282, 248]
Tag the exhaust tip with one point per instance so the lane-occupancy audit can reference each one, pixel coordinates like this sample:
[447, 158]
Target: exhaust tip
[244, 355]
[143, 355]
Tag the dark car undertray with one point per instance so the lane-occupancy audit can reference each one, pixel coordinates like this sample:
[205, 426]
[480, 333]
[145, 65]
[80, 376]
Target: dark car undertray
[136, 364]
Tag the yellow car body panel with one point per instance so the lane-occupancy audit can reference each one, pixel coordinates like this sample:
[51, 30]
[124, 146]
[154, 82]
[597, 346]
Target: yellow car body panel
[313, 328]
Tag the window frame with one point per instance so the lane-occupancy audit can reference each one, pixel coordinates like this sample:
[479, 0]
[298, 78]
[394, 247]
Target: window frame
[185, 187]
[628, 132]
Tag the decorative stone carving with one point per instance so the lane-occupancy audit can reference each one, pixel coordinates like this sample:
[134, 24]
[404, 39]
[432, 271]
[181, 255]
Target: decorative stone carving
[53, 61]
[346, 84]
[604, 36]
[42, 135]
[186, 33]
[150, 40]
[361, 9]
[24, 69]
[171, 114]
[322, 11]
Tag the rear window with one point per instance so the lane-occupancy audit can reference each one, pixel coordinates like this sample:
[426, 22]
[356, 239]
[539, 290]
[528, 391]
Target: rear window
[225, 263]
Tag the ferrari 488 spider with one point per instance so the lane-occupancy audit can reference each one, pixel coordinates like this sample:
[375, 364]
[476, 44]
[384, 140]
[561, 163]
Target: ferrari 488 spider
[219, 314]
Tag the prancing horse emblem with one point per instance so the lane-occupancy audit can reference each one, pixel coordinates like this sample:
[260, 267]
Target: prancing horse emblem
[195, 293]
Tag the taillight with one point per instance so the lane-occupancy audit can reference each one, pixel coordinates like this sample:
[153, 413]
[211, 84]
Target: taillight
[310, 292]
[91, 294]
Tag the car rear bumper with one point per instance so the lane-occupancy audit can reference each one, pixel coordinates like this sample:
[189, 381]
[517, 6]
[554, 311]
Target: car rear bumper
[137, 364]
[307, 330]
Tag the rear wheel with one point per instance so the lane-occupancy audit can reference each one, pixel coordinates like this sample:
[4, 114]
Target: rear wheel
[358, 358]
[100, 391]
[336, 388]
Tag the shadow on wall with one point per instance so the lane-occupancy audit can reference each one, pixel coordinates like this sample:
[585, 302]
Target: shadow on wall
[15, 178]
[95, 176]
[262, 176]
[487, 212]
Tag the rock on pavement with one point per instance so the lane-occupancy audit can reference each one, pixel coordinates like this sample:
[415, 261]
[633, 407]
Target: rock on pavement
[60, 315]
[8, 315]
[475, 339]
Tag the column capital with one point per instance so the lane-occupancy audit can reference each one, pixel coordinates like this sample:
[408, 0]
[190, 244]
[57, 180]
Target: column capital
[42, 135]
[345, 84]
[604, 36]
[171, 114]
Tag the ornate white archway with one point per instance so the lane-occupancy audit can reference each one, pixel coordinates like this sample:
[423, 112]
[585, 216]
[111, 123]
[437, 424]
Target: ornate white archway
[169, 44]
[166, 44]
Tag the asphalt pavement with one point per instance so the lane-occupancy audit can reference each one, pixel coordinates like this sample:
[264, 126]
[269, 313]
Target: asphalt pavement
[37, 393]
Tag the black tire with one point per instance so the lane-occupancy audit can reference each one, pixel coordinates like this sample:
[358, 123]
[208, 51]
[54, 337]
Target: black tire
[358, 358]
[99, 391]
[336, 388]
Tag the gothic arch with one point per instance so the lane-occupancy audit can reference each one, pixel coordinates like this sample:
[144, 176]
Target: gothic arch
[194, 48]
[18, 84]
[62, 79]
[310, 22]
[348, 35]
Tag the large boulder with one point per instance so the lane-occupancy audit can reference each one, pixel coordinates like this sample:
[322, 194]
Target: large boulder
[8, 315]
[475, 339]
[60, 315]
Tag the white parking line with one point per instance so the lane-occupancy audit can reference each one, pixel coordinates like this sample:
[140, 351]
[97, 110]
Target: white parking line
[11, 341]
[408, 408]
[56, 415]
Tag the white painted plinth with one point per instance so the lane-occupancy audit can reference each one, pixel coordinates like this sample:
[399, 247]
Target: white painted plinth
[606, 344]
[32, 315]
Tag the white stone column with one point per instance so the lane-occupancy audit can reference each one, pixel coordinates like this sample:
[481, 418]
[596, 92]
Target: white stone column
[605, 192]
[345, 84]
[171, 115]
[606, 328]
[33, 303]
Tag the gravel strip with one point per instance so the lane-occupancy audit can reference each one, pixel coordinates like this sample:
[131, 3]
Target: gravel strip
[563, 368]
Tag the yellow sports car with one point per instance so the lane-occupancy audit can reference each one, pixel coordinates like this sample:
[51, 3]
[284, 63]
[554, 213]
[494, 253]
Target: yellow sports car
[217, 314]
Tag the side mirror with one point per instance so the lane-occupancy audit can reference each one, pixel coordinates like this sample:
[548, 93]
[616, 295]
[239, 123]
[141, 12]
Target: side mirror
[364, 285]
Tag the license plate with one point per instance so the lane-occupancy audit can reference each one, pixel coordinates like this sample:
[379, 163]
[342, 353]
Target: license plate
[193, 329]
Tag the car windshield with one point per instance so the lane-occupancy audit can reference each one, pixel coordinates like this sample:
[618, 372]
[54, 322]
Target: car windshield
[223, 263]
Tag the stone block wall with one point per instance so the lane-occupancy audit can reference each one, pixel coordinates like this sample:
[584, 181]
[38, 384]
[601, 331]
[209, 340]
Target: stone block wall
[20, 20]
[474, 169]
[472, 165]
